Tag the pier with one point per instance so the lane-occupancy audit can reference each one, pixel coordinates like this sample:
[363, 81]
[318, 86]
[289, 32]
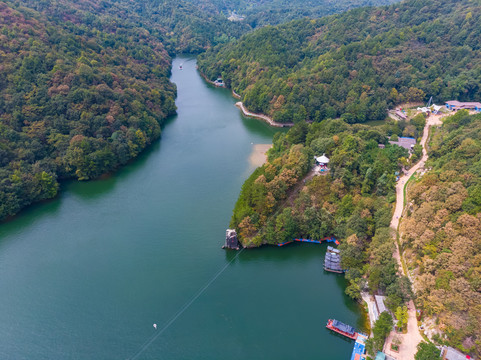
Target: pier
[358, 353]
[326, 239]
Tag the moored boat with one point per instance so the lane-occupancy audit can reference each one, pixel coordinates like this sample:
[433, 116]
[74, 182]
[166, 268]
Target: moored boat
[341, 328]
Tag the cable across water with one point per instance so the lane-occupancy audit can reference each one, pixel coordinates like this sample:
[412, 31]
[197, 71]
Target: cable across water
[156, 334]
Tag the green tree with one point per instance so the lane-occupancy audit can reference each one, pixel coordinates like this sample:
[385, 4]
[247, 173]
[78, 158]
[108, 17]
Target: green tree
[382, 328]
[427, 351]
[402, 316]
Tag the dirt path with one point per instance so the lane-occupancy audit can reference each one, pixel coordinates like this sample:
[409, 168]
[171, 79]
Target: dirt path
[412, 338]
[298, 187]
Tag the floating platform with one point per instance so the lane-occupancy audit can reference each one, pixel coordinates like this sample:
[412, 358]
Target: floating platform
[358, 353]
[341, 328]
[326, 239]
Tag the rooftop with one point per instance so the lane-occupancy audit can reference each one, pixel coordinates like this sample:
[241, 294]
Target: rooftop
[401, 114]
[463, 104]
[452, 354]
[322, 159]
[404, 142]
[380, 303]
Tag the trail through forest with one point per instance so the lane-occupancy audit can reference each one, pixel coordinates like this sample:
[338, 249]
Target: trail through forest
[412, 338]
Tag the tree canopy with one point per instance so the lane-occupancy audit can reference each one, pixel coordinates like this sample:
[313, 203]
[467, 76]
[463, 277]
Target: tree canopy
[79, 95]
[357, 64]
[441, 235]
[352, 202]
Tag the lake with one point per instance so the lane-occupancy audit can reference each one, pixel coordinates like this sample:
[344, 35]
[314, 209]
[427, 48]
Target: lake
[86, 275]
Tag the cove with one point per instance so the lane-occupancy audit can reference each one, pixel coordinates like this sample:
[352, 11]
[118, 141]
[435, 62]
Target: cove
[85, 275]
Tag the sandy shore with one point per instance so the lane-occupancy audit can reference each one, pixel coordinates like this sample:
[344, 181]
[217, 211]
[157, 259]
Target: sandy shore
[258, 156]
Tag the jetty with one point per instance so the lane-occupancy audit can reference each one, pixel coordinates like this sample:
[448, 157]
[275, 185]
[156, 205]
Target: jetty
[332, 260]
[326, 239]
[341, 328]
[358, 353]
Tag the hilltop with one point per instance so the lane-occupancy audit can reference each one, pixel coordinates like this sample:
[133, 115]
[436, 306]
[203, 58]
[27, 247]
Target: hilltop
[357, 64]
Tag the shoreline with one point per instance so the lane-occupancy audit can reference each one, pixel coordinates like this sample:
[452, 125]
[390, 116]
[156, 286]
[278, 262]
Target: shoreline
[265, 118]
[247, 113]
[258, 156]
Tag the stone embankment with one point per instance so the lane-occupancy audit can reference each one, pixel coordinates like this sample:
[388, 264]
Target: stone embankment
[267, 119]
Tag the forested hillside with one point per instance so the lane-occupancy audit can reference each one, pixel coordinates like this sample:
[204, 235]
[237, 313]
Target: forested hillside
[352, 202]
[356, 64]
[84, 84]
[79, 95]
[181, 26]
[442, 232]
[271, 12]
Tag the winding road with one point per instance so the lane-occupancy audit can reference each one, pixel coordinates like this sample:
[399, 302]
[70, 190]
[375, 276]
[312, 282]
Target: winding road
[412, 338]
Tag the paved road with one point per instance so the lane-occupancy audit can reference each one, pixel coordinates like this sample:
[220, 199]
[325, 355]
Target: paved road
[412, 338]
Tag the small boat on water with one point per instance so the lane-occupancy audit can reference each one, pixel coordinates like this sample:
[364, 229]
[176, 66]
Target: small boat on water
[342, 328]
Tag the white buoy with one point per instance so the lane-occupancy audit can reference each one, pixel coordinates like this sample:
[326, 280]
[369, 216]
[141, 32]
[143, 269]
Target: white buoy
[155, 326]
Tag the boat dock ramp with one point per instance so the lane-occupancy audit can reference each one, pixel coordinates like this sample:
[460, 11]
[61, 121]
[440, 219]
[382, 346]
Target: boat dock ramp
[358, 353]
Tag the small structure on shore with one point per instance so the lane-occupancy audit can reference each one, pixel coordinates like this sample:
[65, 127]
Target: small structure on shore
[219, 82]
[405, 142]
[231, 241]
[235, 17]
[379, 307]
[332, 260]
[458, 105]
[448, 353]
[435, 109]
[322, 163]
[400, 114]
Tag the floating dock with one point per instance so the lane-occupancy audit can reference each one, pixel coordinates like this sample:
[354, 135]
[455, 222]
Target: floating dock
[358, 353]
[327, 239]
[341, 328]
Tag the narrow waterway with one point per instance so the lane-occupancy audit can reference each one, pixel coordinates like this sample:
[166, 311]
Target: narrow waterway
[86, 275]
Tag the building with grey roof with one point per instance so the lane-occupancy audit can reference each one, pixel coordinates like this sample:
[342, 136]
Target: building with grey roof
[405, 142]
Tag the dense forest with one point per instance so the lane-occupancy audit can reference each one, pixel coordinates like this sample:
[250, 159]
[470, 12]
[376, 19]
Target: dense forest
[181, 26]
[441, 235]
[84, 84]
[357, 64]
[272, 12]
[80, 95]
[282, 200]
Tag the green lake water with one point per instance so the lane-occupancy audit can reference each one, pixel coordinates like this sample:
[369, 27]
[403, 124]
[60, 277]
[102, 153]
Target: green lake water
[86, 275]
